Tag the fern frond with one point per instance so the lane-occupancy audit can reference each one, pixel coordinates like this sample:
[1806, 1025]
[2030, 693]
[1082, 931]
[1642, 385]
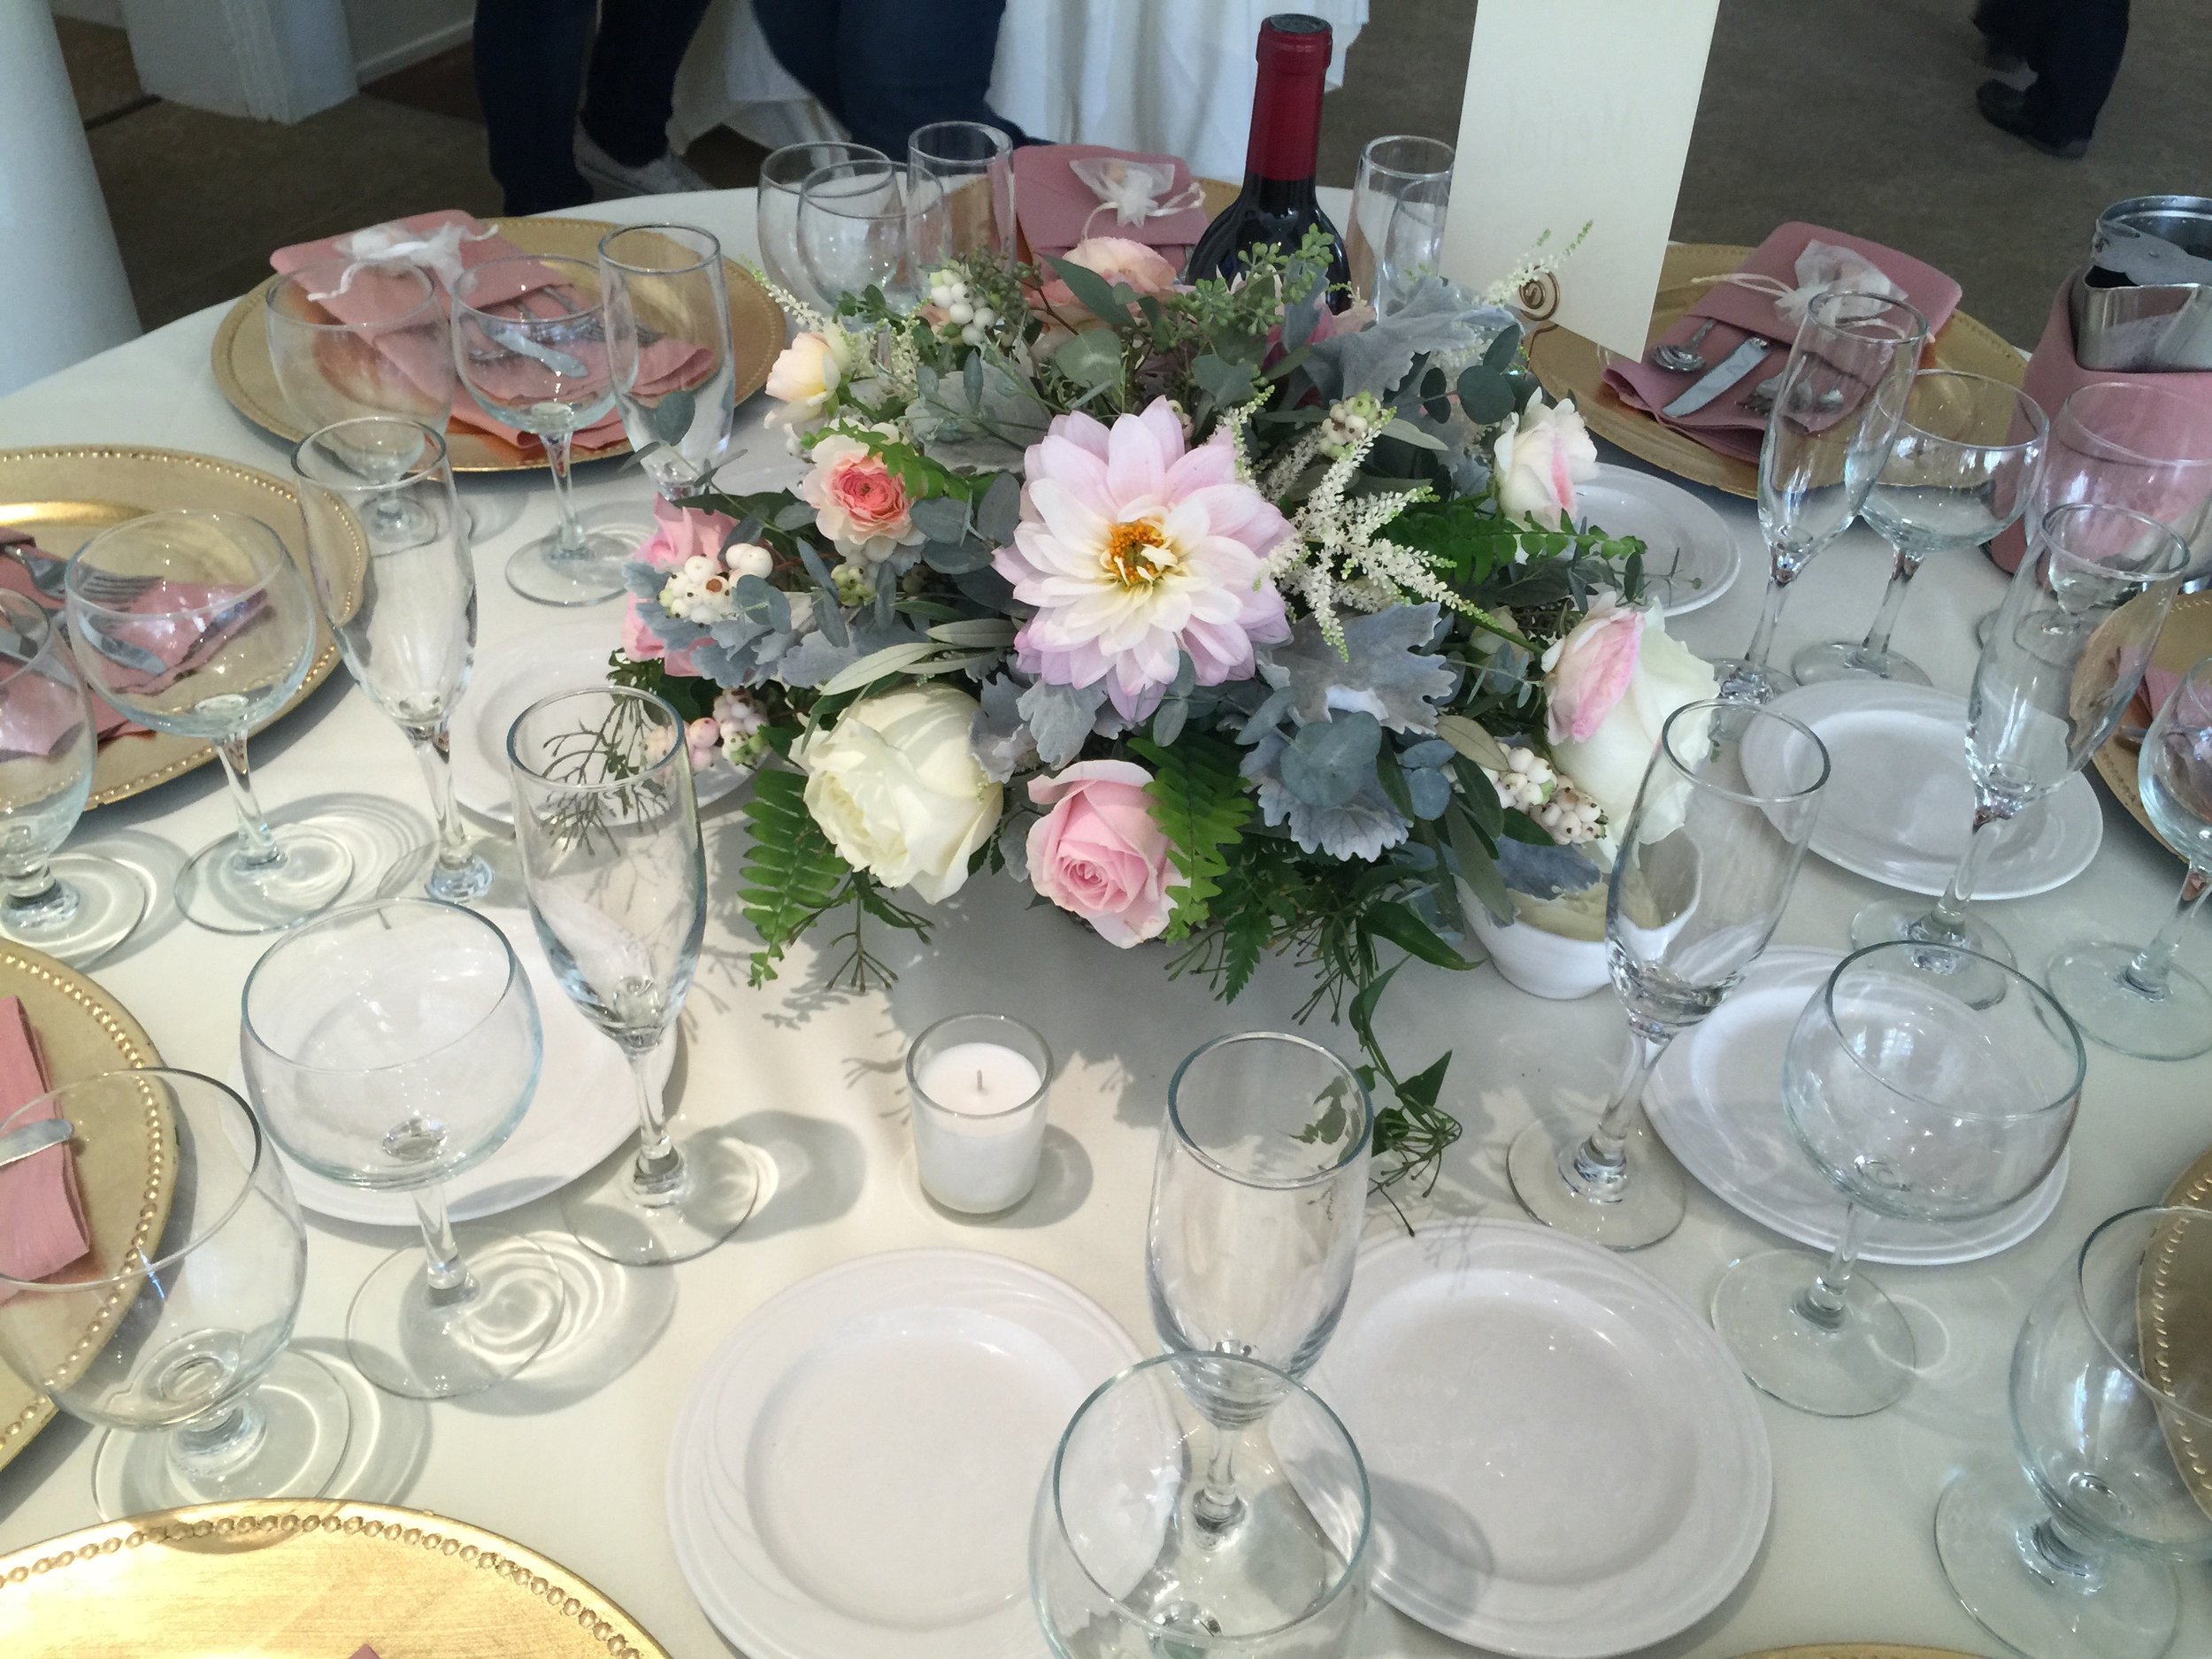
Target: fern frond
[1201, 806]
[792, 873]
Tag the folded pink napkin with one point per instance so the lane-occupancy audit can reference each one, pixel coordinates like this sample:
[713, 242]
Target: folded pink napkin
[1056, 209]
[108, 721]
[1725, 425]
[43, 1226]
[180, 625]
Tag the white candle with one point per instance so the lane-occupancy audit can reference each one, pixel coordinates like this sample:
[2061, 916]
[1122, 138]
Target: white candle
[978, 1112]
[979, 1080]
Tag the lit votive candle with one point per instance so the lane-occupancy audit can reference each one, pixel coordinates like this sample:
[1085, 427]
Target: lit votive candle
[977, 1083]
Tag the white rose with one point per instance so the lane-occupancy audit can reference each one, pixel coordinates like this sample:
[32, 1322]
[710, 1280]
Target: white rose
[896, 788]
[805, 374]
[1608, 764]
[1541, 454]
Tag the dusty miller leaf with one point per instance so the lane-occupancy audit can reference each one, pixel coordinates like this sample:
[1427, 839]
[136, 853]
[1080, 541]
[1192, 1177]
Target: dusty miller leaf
[1060, 719]
[1386, 669]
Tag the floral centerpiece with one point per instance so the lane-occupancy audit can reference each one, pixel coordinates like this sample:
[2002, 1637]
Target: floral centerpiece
[1216, 615]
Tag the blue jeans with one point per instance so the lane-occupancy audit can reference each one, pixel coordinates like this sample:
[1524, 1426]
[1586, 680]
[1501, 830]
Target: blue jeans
[885, 67]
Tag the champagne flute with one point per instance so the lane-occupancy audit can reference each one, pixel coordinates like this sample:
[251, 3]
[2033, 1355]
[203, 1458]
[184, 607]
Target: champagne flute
[854, 232]
[1399, 200]
[663, 291]
[1835, 414]
[783, 175]
[959, 191]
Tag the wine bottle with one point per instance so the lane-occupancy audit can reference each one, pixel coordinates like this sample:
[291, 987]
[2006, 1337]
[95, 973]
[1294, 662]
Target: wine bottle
[1277, 206]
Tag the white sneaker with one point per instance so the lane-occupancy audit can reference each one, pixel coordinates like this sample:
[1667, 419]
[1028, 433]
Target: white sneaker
[665, 175]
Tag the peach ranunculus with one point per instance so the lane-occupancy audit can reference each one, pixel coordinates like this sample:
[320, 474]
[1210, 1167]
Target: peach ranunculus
[858, 502]
[806, 375]
[1540, 456]
[1098, 854]
[1143, 270]
[679, 535]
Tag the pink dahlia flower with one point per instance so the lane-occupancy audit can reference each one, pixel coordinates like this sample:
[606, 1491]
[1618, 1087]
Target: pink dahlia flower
[1135, 548]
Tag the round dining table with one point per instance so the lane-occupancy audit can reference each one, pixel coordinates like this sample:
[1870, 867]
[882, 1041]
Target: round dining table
[572, 1457]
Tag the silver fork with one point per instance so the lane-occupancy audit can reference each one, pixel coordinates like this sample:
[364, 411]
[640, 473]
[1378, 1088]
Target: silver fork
[50, 576]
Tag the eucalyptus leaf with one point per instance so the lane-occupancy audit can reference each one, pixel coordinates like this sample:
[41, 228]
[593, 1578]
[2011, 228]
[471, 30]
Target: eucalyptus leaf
[1168, 719]
[758, 602]
[1092, 358]
[1545, 872]
[1091, 290]
[1000, 511]
[1504, 350]
[672, 416]
[795, 515]
[828, 614]
[1485, 395]
[1406, 432]
[1467, 737]
[892, 659]
[940, 517]
[954, 558]
[975, 632]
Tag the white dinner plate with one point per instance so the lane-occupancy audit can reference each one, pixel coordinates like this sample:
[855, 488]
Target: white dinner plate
[1690, 558]
[1899, 804]
[583, 1109]
[856, 1467]
[1565, 1461]
[1715, 1099]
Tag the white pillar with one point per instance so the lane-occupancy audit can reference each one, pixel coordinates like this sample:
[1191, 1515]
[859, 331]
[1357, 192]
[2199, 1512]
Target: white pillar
[62, 293]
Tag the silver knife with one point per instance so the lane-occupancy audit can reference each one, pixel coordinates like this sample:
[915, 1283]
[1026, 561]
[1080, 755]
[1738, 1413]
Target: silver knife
[1733, 368]
[519, 341]
[31, 1138]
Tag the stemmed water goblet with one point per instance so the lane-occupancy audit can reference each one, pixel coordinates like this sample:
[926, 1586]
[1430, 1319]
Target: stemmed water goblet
[854, 232]
[1835, 414]
[607, 831]
[390, 1047]
[174, 1340]
[2064, 660]
[1396, 230]
[662, 285]
[1707, 861]
[1966, 460]
[200, 624]
[959, 191]
[783, 175]
[390, 355]
[1919, 1105]
[74, 908]
[2112, 1419]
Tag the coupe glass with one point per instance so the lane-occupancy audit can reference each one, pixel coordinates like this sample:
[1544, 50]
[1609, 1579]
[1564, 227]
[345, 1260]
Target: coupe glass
[175, 1342]
[959, 191]
[77, 907]
[1963, 466]
[1835, 415]
[662, 285]
[1707, 859]
[609, 834]
[394, 357]
[1124, 1564]
[398, 589]
[1399, 200]
[1921, 1106]
[201, 625]
[390, 1047]
[783, 175]
[853, 232]
[2138, 1002]
[2076, 1560]
[2066, 654]
[540, 363]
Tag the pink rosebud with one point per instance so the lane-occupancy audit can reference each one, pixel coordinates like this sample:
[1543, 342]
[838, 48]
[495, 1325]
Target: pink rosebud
[1098, 854]
[682, 533]
[1586, 672]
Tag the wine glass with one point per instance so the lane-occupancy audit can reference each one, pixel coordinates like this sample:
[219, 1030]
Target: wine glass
[398, 589]
[76, 908]
[1835, 414]
[1966, 460]
[1919, 1105]
[1708, 858]
[200, 624]
[783, 175]
[388, 354]
[175, 1340]
[668, 343]
[853, 232]
[390, 1047]
[1399, 200]
[530, 346]
[1123, 1563]
[959, 191]
[2067, 653]
[2111, 1426]
[2140, 1001]
[609, 834]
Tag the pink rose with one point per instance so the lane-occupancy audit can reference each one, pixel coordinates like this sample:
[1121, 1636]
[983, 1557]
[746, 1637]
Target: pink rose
[1142, 270]
[858, 502]
[1588, 672]
[678, 533]
[1098, 852]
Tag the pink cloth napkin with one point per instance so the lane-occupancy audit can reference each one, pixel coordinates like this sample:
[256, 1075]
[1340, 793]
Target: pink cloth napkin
[108, 720]
[1053, 206]
[1725, 425]
[42, 1228]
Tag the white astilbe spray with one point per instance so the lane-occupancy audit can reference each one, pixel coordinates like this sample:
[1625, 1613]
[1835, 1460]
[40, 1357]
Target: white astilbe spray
[799, 311]
[1534, 266]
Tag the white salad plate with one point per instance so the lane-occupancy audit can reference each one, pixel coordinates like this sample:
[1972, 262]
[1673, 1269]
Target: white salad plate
[1690, 556]
[1715, 1099]
[1899, 806]
[1565, 1461]
[856, 1468]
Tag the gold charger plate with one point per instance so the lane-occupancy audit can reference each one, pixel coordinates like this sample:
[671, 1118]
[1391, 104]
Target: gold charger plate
[1568, 366]
[2186, 641]
[248, 378]
[2170, 1330]
[82, 1032]
[1859, 1650]
[64, 497]
[303, 1579]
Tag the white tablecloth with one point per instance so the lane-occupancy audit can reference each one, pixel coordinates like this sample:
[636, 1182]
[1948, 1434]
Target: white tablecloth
[572, 1458]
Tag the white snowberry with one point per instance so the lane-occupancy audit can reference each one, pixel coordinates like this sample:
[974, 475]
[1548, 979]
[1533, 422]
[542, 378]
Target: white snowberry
[748, 558]
[960, 312]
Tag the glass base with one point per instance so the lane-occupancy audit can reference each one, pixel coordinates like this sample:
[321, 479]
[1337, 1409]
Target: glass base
[217, 891]
[1906, 919]
[613, 1215]
[1641, 1209]
[417, 873]
[1985, 1528]
[2090, 983]
[1848, 659]
[547, 573]
[1862, 1364]
[304, 1424]
[102, 902]
[1744, 682]
[407, 1341]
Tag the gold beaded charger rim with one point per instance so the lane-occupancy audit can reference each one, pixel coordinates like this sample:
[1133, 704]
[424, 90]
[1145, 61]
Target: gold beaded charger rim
[2175, 1330]
[83, 1032]
[1567, 364]
[62, 497]
[308, 1576]
[1858, 1650]
[247, 376]
[2185, 640]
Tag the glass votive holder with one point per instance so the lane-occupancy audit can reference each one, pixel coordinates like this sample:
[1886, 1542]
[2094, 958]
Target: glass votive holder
[977, 1083]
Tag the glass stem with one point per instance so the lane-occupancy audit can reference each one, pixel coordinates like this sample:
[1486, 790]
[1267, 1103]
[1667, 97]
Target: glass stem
[1823, 1303]
[1900, 575]
[570, 535]
[1945, 923]
[1762, 644]
[447, 1274]
[2149, 972]
[433, 750]
[1598, 1167]
[657, 1175]
[37, 901]
[256, 843]
[2062, 1557]
[1216, 1506]
[211, 1446]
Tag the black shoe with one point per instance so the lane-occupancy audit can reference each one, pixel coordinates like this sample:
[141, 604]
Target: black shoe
[2006, 108]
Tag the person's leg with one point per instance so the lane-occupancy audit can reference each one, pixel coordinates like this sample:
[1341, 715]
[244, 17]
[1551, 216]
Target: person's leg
[2075, 58]
[902, 64]
[529, 56]
[804, 35]
[630, 91]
